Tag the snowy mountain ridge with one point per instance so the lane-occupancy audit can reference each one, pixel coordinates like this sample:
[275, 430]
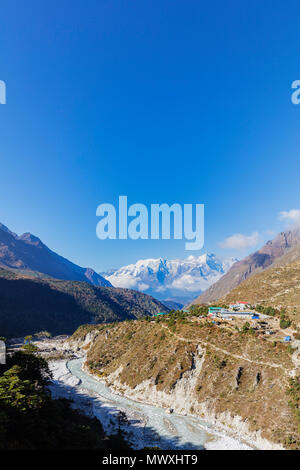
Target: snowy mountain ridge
[178, 279]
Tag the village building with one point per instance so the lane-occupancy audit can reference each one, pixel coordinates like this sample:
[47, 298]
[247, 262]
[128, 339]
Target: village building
[239, 305]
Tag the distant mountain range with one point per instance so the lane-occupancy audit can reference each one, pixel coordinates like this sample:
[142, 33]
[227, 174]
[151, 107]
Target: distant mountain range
[179, 280]
[27, 253]
[172, 304]
[41, 290]
[284, 249]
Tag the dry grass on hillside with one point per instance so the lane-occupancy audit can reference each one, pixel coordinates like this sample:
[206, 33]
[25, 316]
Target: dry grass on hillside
[278, 287]
[241, 373]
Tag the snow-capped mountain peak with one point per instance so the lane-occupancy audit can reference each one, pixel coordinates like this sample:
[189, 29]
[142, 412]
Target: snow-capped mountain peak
[178, 278]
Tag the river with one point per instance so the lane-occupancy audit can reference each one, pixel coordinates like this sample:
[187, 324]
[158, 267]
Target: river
[147, 425]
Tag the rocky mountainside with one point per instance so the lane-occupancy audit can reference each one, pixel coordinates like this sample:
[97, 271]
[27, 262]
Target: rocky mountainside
[237, 381]
[179, 280]
[278, 287]
[28, 253]
[31, 305]
[285, 246]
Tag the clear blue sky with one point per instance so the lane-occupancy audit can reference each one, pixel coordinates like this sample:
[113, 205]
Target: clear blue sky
[163, 101]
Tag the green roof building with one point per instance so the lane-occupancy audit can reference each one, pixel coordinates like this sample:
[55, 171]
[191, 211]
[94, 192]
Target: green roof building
[215, 309]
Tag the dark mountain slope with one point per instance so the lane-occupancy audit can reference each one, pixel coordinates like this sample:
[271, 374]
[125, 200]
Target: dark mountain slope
[28, 253]
[31, 305]
[172, 304]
